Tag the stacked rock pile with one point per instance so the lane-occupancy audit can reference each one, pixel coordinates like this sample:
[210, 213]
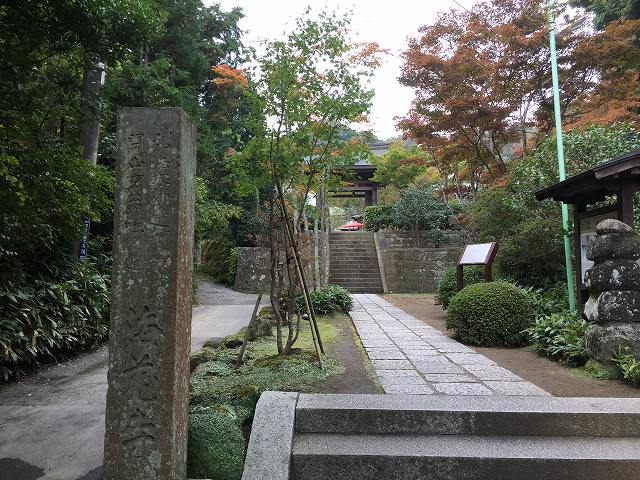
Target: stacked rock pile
[614, 284]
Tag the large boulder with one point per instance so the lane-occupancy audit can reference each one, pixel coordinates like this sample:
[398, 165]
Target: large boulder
[260, 327]
[614, 306]
[605, 341]
[613, 275]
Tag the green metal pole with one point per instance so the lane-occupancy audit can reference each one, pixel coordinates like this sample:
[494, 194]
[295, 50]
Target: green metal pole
[561, 170]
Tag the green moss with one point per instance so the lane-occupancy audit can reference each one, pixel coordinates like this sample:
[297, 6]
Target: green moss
[596, 370]
[223, 397]
[368, 366]
[216, 381]
[216, 445]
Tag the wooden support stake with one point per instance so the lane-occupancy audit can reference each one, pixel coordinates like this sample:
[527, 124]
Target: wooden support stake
[246, 334]
[315, 332]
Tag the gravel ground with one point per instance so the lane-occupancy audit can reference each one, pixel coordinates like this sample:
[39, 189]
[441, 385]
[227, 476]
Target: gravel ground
[211, 293]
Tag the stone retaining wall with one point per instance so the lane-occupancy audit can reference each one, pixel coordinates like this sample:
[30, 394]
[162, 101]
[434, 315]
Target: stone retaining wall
[252, 274]
[410, 268]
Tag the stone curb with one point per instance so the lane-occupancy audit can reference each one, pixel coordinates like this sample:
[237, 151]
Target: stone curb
[271, 442]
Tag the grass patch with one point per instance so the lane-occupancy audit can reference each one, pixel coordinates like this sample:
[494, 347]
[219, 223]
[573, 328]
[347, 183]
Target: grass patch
[368, 366]
[596, 371]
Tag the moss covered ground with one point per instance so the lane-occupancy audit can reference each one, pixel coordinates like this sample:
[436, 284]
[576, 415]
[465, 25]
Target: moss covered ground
[223, 398]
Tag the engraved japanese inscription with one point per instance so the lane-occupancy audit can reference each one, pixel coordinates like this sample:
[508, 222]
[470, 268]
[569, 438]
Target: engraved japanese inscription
[151, 304]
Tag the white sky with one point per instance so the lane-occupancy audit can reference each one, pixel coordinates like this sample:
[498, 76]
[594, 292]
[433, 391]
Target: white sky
[387, 22]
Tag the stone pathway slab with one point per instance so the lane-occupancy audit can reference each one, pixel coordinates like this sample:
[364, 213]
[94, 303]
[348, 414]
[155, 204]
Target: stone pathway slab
[412, 358]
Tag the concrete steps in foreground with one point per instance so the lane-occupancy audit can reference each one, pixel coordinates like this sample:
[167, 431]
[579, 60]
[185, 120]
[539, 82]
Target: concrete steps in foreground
[407, 437]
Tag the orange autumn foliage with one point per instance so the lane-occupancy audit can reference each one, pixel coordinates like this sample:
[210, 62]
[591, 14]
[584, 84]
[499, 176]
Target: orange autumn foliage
[227, 75]
[616, 97]
[368, 52]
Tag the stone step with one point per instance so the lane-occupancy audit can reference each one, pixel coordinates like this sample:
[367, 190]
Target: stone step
[353, 250]
[545, 416]
[362, 288]
[351, 261]
[365, 290]
[354, 265]
[463, 457]
[349, 274]
[389, 437]
[352, 241]
[342, 277]
[357, 283]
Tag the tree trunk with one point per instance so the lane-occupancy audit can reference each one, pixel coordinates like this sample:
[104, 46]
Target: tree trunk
[90, 105]
[316, 252]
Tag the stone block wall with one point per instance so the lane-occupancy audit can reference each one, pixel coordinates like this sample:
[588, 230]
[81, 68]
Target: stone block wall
[253, 275]
[408, 268]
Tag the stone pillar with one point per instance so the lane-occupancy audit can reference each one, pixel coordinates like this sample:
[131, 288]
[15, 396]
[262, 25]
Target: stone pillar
[614, 284]
[150, 335]
[368, 198]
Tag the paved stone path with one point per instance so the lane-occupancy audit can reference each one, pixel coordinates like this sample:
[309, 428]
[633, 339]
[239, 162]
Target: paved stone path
[411, 357]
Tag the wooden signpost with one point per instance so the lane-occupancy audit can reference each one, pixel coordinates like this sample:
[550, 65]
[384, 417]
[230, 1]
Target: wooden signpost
[477, 254]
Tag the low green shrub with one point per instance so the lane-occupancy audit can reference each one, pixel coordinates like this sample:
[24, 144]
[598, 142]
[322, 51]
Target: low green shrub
[47, 318]
[628, 365]
[219, 259]
[560, 336]
[489, 314]
[328, 299]
[448, 286]
[547, 301]
[378, 217]
[215, 446]
[532, 254]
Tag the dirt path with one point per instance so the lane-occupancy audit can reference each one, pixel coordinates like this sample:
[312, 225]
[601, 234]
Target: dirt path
[359, 374]
[546, 374]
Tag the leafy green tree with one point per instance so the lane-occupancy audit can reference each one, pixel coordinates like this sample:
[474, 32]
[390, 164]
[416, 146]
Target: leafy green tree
[530, 231]
[402, 165]
[607, 11]
[310, 88]
[420, 211]
[193, 64]
[46, 46]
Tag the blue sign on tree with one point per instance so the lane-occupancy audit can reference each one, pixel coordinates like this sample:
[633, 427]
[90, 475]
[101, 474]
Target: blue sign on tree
[84, 241]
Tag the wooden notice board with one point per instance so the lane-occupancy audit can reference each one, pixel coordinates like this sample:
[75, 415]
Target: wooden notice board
[477, 254]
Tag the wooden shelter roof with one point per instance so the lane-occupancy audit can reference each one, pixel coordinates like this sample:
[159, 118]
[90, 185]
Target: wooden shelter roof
[597, 183]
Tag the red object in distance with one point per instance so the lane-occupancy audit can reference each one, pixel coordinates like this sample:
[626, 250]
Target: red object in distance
[352, 226]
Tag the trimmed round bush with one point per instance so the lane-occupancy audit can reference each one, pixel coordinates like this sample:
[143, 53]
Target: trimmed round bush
[216, 446]
[448, 286]
[490, 314]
